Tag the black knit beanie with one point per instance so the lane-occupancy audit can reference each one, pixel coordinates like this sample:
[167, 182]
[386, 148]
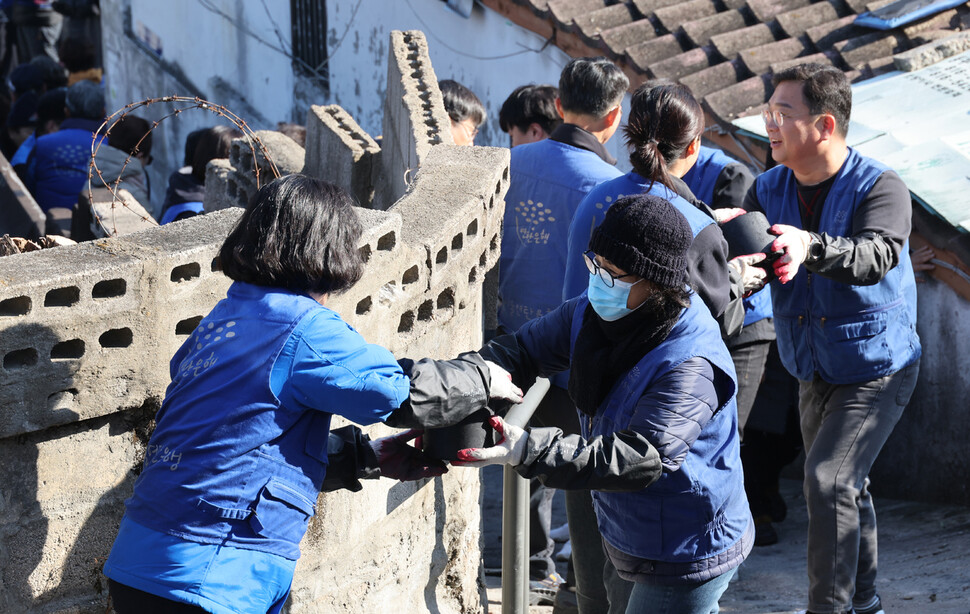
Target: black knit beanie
[645, 235]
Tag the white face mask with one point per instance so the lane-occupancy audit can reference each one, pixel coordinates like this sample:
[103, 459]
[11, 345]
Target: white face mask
[610, 304]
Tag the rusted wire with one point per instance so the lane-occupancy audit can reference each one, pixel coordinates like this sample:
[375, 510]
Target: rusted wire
[187, 104]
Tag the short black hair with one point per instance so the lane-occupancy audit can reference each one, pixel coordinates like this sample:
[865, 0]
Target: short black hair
[591, 86]
[213, 144]
[530, 104]
[191, 142]
[297, 233]
[826, 90]
[461, 103]
[77, 54]
[50, 107]
[132, 135]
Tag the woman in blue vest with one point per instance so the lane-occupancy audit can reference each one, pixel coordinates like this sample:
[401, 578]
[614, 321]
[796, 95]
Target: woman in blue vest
[655, 388]
[243, 445]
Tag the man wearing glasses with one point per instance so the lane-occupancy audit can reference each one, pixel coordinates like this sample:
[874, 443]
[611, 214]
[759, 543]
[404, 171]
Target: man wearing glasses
[845, 314]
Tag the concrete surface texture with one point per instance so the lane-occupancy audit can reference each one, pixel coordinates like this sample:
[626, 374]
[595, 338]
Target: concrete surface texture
[924, 555]
[86, 333]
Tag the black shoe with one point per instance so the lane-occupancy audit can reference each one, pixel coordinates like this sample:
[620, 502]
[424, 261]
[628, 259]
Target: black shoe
[764, 533]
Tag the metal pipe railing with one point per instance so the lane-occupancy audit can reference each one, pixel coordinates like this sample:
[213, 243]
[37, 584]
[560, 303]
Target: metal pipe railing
[515, 514]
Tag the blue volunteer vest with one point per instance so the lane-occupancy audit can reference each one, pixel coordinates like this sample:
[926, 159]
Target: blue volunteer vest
[843, 332]
[548, 181]
[227, 464]
[699, 510]
[701, 179]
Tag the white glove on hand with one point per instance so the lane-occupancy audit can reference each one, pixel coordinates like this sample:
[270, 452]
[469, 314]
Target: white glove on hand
[727, 213]
[794, 242]
[509, 450]
[752, 277]
[501, 386]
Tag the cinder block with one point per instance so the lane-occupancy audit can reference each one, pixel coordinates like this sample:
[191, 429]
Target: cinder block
[341, 152]
[217, 192]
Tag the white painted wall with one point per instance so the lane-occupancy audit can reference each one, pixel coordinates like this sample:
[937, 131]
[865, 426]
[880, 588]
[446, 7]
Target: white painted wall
[486, 53]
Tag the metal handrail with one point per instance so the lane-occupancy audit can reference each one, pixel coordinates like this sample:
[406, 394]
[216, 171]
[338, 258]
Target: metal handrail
[515, 514]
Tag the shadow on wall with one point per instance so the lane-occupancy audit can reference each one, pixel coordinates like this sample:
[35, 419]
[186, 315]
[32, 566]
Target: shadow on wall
[50, 565]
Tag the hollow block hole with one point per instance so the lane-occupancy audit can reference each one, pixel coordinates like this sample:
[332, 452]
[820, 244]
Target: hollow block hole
[186, 272]
[456, 243]
[216, 265]
[442, 256]
[493, 244]
[473, 275]
[63, 399]
[410, 276]
[472, 229]
[186, 326]
[116, 338]
[20, 359]
[387, 242]
[68, 350]
[109, 288]
[63, 297]
[364, 306]
[446, 300]
[407, 322]
[365, 252]
[483, 259]
[425, 311]
[19, 306]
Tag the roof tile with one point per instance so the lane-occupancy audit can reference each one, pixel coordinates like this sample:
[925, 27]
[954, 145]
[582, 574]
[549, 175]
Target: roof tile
[730, 43]
[940, 20]
[856, 52]
[766, 10]
[649, 7]
[565, 11]
[795, 23]
[825, 35]
[682, 64]
[642, 55]
[672, 17]
[592, 25]
[731, 102]
[759, 59]
[618, 39]
[713, 79]
[700, 31]
[539, 7]
[818, 58]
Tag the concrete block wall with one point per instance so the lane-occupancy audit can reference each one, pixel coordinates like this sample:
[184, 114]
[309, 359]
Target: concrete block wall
[22, 216]
[86, 333]
[341, 152]
[414, 114]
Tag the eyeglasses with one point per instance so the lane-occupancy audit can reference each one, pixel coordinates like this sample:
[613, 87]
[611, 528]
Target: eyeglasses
[608, 278]
[779, 118]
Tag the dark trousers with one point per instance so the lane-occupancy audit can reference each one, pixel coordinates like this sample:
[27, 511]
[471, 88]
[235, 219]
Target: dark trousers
[128, 600]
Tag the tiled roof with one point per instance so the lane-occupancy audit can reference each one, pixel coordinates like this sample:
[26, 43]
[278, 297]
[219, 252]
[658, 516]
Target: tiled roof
[727, 50]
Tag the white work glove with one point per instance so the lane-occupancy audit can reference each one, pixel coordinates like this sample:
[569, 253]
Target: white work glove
[509, 450]
[501, 386]
[399, 460]
[727, 214]
[752, 277]
[794, 243]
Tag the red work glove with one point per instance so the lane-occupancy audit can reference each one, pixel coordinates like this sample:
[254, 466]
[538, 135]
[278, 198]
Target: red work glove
[399, 460]
[509, 450]
[794, 243]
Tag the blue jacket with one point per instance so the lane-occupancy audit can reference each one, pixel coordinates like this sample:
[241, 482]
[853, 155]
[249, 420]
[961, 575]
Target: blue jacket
[548, 181]
[239, 453]
[845, 333]
[58, 166]
[686, 513]
[707, 257]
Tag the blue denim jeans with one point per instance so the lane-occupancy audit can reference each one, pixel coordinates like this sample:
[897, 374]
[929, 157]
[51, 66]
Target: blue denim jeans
[680, 599]
[844, 427]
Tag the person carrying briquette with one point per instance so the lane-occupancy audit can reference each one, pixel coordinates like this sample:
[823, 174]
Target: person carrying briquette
[243, 446]
[654, 385]
[845, 314]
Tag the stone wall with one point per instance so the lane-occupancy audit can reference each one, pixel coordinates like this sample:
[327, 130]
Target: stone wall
[86, 333]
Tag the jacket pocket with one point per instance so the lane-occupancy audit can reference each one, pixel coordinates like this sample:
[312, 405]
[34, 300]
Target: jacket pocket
[793, 347]
[855, 351]
[281, 511]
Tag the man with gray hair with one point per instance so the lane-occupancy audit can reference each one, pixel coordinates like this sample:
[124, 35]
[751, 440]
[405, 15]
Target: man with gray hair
[549, 179]
[58, 166]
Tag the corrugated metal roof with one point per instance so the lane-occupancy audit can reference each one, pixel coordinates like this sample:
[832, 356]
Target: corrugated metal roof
[918, 123]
